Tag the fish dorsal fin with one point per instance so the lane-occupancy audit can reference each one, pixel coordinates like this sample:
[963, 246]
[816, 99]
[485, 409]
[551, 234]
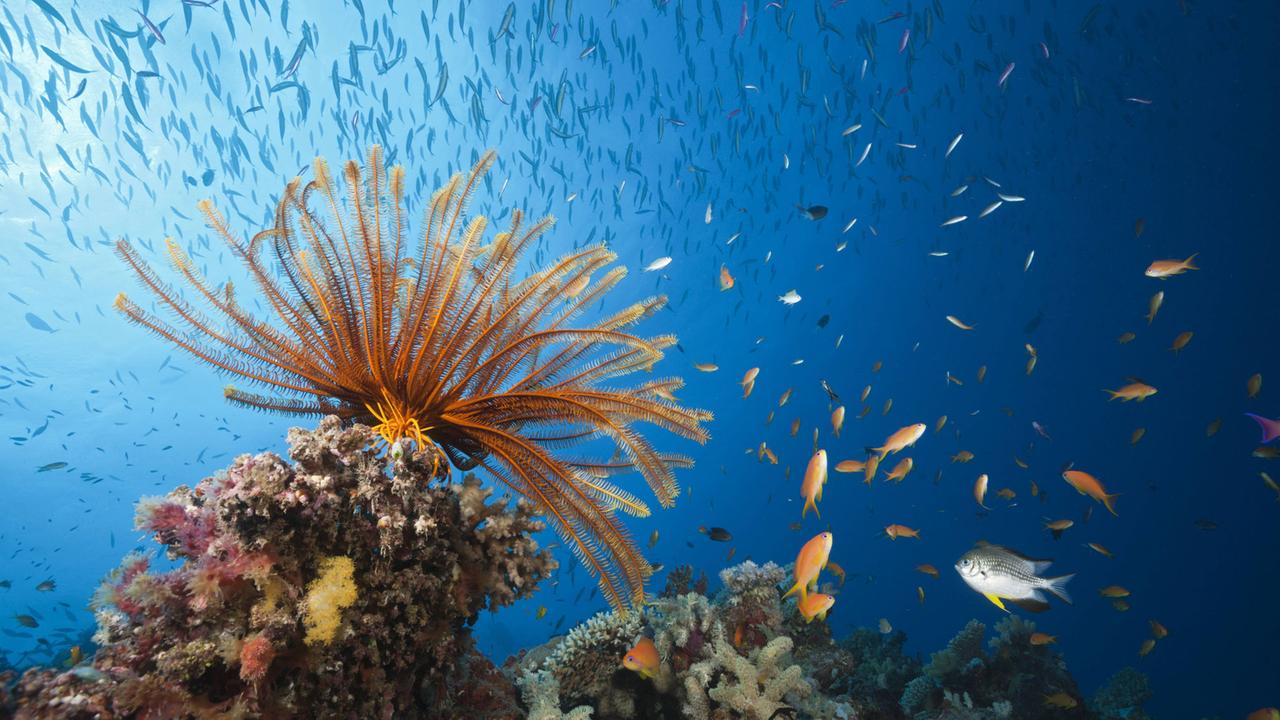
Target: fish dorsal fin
[1035, 565]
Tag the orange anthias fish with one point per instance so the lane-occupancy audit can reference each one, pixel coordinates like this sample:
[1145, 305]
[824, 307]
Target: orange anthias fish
[900, 440]
[869, 470]
[749, 381]
[1168, 268]
[900, 470]
[850, 466]
[837, 420]
[1133, 391]
[980, 490]
[815, 605]
[1086, 484]
[929, 570]
[810, 561]
[815, 476]
[643, 658]
[1039, 638]
[896, 531]
[726, 280]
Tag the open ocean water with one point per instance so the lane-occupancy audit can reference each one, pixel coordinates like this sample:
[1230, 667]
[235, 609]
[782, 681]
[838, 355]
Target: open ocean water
[917, 198]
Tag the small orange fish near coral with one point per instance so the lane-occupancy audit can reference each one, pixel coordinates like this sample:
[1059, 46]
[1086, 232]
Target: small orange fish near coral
[643, 659]
[810, 561]
[1060, 700]
[1039, 638]
[815, 605]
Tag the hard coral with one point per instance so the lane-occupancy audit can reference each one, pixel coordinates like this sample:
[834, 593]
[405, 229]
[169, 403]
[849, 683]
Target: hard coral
[224, 633]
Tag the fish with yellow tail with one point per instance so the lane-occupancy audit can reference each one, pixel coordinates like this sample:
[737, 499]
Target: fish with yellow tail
[900, 440]
[643, 659]
[810, 561]
[1000, 574]
[815, 605]
[815, 476]
[1086, 484]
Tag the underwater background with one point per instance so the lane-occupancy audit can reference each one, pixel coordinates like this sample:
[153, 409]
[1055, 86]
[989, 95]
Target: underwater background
[1128, 132]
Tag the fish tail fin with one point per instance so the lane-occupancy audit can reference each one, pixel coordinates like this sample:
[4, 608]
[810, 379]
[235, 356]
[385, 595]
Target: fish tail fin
[1112, 393]
[1270, 428]
[1058, 586]
[798, 587]
[882, 452]
[809, 503]
[1107, 501]
[1189, 263]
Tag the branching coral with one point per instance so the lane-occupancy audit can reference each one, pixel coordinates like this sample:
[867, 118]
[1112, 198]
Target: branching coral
[442, 346]
[754, 687]
[323, 588]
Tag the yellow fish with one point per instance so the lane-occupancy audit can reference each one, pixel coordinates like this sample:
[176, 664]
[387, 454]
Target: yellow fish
[810, 561]
[815, 476]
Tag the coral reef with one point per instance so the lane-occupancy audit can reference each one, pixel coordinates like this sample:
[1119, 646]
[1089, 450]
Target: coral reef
[1121, 698]
[327, 587]
[965, 681]
[745, 653]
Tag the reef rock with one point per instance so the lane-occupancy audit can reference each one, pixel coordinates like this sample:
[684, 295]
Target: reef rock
[341, 585]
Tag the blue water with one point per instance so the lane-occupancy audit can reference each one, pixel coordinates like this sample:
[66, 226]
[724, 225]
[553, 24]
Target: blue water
[131, 416]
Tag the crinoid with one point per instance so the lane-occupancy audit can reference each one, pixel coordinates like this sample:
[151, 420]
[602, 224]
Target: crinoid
[444, 346]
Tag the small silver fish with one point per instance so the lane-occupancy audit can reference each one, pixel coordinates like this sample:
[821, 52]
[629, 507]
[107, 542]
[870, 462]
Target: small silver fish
[999, 573]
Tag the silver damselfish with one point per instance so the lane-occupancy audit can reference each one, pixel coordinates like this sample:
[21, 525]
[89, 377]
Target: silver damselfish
[999, 573]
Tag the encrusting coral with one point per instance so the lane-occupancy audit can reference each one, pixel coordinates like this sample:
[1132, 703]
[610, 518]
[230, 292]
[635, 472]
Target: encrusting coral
[444, 347]
[323, 588]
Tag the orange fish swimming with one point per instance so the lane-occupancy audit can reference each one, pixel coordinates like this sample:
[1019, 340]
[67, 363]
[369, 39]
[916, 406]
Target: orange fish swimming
[929, 570]
[643, 659]
[815, 476]
[815, 605]
[850, 466]
[749, 381]
[726, 279]
[837, 420]
[1086, 484]
[1168, 268]
[980, 490]
[896, 531]
[810, 561]
[869, 470]
[1133, 391]
[900, 440]
[900, 470]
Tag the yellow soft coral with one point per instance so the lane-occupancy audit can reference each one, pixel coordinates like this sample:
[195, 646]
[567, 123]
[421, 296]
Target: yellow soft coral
[327, 596]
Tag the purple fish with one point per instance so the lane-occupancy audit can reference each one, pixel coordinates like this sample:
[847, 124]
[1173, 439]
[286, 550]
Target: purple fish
[1270, 428]
[742, 22]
